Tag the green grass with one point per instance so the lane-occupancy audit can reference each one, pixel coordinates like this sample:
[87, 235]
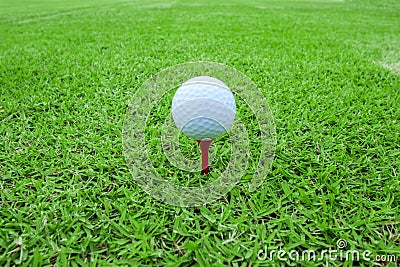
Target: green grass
[68, 71]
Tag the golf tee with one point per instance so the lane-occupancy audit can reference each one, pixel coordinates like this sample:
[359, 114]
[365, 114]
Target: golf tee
[204, 148]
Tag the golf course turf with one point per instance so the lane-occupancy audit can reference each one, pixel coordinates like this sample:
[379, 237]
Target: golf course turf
[329, 71]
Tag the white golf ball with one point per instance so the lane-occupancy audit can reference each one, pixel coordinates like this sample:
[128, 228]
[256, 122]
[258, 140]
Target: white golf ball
[203, 108]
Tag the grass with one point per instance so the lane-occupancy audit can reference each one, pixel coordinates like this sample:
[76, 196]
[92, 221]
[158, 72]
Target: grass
[68, 70]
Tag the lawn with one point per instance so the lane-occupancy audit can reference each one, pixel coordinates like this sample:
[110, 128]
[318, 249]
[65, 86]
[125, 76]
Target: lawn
[329, 71]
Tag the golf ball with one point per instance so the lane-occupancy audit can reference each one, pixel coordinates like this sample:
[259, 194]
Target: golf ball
[203, 108]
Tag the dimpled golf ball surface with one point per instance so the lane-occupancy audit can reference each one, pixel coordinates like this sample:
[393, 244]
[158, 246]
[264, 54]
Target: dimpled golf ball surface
[203, 108]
